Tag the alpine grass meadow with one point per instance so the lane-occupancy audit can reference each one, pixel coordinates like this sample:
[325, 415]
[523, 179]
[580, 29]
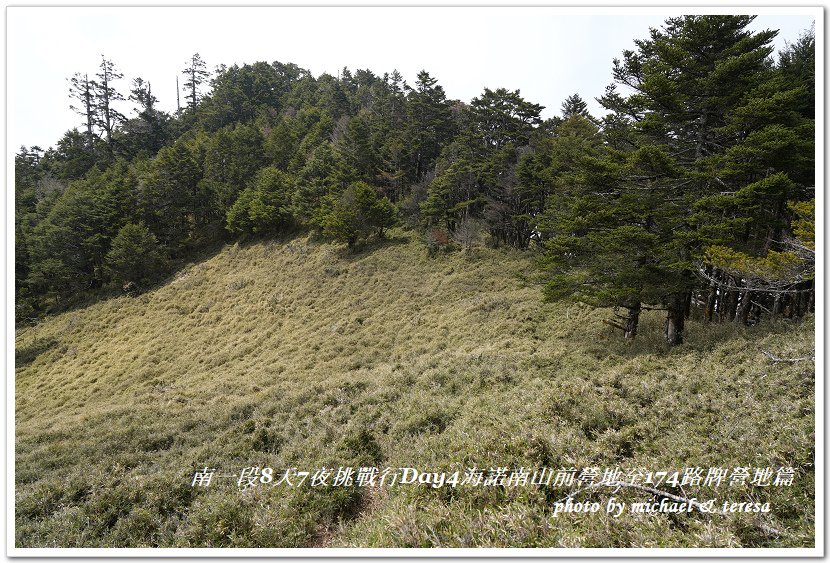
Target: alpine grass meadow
[297, 353]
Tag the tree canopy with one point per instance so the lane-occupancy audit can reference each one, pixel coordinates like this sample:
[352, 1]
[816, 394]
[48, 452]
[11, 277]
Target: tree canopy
[692, 192]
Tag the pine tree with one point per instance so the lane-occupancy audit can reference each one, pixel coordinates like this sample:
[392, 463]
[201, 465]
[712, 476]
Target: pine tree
[149, 131]
[627, 233]
[169, 200]
[135, 255]
[81, 90]
[142, 95]
[70, 243]
[233, 155]
[429, 125]
[196, 74]
[501, 116]
[107, 116]
[265, 206]
[574, 105]
[769, 165]
[356, 213]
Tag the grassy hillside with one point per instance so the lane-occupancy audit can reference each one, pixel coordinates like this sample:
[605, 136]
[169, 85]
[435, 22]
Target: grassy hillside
[296, 353]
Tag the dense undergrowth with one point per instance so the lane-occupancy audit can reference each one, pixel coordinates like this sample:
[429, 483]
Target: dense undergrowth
[297, 353]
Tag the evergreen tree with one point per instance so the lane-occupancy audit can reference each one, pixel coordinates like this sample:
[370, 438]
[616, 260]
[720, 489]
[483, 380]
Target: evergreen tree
[105, 94]
[548, 170]
[239, 94]
[71, 158]
[634, 208]
[196, 74]
[797, 65]
[264, 206]
[358, 146]
[574, 105]
[454, 194]
[356, 213]
[169, 199]
[149, 131]
[502, 117]
[142, 95]
[476, 175]
[81, 90]
[325, 174]
[69, 245]
[233, 155]
[769, 166]
[430, 125]
[135, 255]
[282, 143]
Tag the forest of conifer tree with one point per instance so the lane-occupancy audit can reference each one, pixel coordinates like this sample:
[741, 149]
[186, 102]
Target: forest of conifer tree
[692, 194]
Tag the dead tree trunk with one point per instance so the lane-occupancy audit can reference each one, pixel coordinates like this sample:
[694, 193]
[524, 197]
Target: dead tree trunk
[709, 313]
[731, 305]
[811, 306]
[746, 307]
[687, 305]
[632, 321]
[742, 309]
[776, 307]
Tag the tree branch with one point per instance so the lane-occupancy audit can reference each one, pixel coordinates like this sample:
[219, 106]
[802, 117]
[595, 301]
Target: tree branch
[651, 490]
[776, 359]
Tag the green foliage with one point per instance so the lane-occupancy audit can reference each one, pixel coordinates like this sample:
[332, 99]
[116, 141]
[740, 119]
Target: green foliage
[71, 159]
[359, 146]
[169, 195]
[356, 213]
[804, 226]
[326, 173]
[69, 245]
[476, 176]
[135, 255]
[704, 153]
[707, 146]
[454, 189]
[429, 125]
[797, 64]
[195, 75]
[774, 267]
[240, 93]
[264, 206]
[233, 155]
[282, 143]
[501, 116]
[574, 105]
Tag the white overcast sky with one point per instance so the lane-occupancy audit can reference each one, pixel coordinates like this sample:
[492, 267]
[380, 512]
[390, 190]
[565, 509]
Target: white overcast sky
[547, 53]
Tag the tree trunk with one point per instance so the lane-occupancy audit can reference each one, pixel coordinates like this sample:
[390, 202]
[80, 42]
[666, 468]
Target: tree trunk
[709, 314]
[794, 304]
[746, 306]
[687, 308]
[90, 139]
[811, 307]
[742, 310]
[777, 301]
[804, 302]
[632, 321]
[731, 305]
[675, 319]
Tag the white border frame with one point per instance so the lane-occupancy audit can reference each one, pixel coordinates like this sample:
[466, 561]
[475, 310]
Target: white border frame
[649, 8]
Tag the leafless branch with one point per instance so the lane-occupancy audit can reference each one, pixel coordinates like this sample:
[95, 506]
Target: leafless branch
[776, 359]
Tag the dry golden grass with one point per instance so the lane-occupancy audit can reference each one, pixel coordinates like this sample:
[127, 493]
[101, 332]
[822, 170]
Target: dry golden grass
[298, 353]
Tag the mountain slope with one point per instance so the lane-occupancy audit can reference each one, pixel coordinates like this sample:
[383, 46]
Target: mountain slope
[299, 354]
